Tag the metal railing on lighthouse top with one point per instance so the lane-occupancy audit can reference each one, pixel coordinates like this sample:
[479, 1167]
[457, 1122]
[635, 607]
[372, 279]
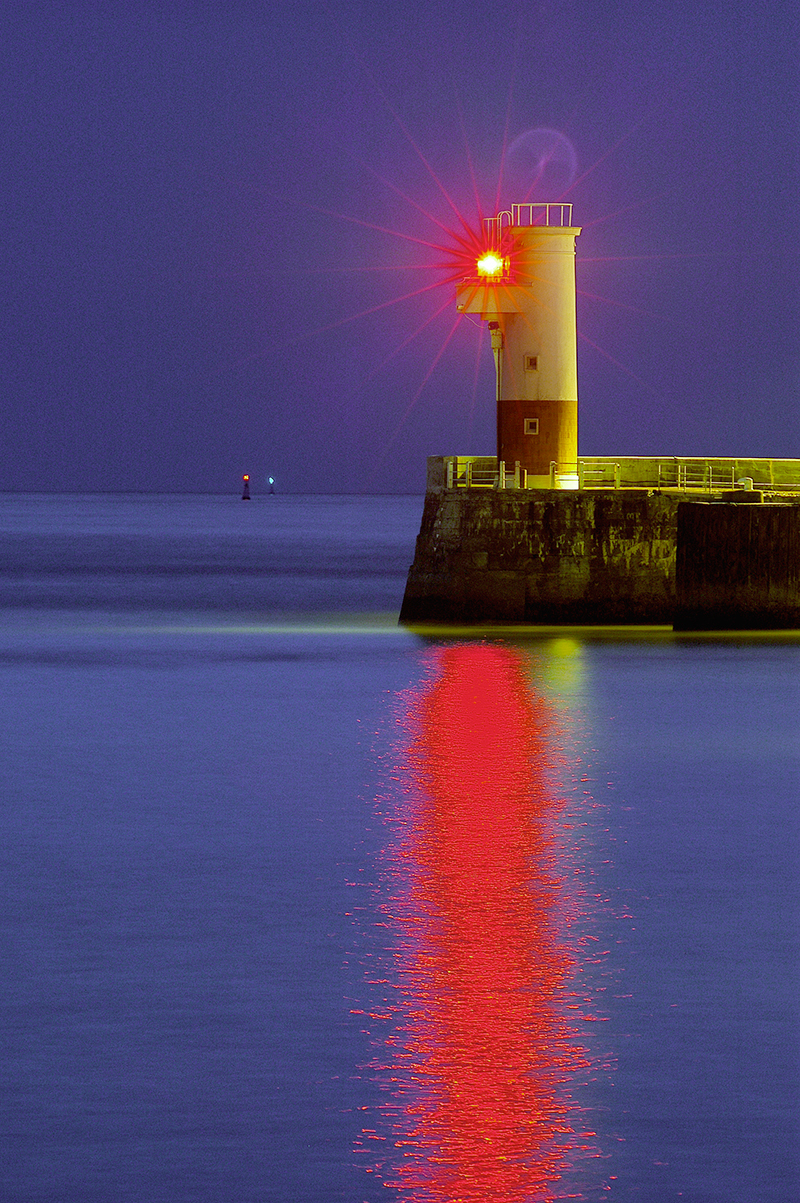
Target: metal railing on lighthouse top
[531, 213]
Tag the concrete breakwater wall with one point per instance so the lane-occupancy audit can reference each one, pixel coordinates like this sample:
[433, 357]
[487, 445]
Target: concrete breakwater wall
[737, 567]
[597, 557]
[544, 557]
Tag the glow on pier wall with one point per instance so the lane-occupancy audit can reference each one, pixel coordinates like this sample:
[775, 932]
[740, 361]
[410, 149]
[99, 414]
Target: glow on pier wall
[480, 1052]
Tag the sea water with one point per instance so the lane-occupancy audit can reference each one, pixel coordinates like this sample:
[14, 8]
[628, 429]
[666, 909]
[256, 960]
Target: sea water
[239, 937]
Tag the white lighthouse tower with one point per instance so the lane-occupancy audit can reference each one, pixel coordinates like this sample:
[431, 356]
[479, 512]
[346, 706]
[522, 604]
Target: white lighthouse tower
[524, 287]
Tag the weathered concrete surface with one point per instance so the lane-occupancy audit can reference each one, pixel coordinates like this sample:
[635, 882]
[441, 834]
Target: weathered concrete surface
[625, 556]
[738, 567]
[543, 556]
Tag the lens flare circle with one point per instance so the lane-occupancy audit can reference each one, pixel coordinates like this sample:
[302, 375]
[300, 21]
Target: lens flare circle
[541, 165]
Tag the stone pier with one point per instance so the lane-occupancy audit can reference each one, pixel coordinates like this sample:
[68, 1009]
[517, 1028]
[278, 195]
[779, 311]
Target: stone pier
[606, 556]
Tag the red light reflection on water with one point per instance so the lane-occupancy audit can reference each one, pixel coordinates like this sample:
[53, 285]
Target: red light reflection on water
[482, 1056]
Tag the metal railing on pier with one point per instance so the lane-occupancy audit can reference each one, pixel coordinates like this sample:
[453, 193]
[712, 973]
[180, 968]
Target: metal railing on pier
[669, 473]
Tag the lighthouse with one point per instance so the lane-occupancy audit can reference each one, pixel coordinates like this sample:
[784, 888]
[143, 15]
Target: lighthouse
[523, 286]
[539, 536]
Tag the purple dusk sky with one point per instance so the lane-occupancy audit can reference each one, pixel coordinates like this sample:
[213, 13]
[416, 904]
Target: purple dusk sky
[197, 256]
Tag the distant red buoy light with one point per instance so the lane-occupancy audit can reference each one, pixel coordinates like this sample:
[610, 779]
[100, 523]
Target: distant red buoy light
[245, 487]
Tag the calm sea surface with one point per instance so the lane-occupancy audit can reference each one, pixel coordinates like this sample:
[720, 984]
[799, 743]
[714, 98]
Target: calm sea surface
[300, 907]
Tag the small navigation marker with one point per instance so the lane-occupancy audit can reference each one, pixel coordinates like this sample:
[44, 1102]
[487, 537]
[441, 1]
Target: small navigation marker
[245, 488]
[272, 484]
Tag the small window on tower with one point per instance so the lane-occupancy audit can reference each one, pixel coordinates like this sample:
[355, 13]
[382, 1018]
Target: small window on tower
[531, 363]
[531, 425]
